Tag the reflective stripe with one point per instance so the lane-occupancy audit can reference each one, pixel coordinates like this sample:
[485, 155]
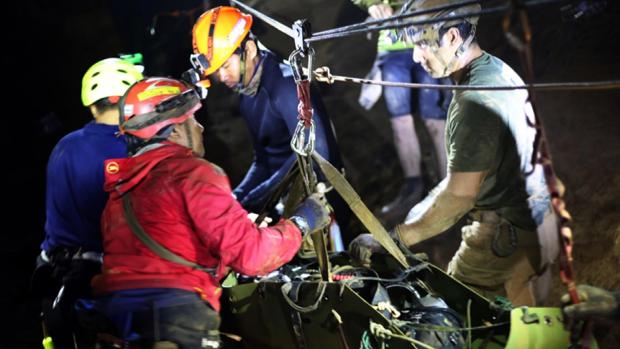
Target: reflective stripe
[88, 255]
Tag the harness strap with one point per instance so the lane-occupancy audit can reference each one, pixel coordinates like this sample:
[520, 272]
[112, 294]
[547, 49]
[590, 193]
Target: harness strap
[159, 250]
[358, 207]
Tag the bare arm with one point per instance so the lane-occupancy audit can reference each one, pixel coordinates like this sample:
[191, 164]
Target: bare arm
[444, 206]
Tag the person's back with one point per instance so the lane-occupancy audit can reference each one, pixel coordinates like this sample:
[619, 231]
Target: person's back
[71, 250]
[185, 203]
[74, 190]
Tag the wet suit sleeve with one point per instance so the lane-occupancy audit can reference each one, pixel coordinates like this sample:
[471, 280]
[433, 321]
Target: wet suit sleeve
[257, 174]
[284, 100]
[222, 225]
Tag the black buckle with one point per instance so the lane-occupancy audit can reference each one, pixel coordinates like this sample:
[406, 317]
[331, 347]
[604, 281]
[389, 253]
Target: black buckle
[199, 61]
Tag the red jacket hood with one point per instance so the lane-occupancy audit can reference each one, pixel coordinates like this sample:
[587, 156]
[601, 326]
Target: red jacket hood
[122, 175]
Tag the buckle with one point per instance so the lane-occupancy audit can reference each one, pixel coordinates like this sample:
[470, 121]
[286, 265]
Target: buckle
[199, 61]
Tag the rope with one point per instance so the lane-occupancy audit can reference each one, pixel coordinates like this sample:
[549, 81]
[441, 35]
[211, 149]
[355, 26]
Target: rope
[378, 25]
[272, 22]
[286, 288]
[492, 10]
[381, 332]
[429, 327]
[374, 22]
[323, 74]
[542, 155]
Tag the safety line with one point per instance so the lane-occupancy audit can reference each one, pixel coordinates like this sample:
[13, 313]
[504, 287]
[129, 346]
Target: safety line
[430, 327]
[371, 26]
[272, 22]
[323, 74]
[493, 10]
[396, 18]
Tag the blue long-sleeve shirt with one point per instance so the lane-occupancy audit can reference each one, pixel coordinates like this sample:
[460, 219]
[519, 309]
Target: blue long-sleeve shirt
[271, 116]
[74, 194]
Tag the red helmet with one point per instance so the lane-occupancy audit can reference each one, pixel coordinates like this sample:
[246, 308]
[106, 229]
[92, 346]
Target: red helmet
[153, 103]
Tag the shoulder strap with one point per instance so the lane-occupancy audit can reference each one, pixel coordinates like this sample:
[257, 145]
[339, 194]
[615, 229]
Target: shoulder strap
[160, 250]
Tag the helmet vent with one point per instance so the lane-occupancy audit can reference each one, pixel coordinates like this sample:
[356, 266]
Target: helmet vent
[122, 71]
[94, 87]
[126, 82]
[95, 74]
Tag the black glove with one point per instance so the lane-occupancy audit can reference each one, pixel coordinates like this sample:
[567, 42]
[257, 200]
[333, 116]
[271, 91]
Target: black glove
[312, 214]
[595, 302]
[363, 247]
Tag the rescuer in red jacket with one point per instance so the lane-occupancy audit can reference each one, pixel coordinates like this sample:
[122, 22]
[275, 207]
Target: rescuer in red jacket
[185, 204]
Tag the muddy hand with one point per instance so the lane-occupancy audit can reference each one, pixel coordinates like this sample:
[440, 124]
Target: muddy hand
[362, 248]
[595, 302]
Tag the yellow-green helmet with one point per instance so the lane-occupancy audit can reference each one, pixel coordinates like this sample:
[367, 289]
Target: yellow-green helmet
[110, 77]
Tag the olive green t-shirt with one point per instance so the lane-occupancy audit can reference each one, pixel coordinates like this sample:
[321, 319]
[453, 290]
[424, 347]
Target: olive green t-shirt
[489, 131]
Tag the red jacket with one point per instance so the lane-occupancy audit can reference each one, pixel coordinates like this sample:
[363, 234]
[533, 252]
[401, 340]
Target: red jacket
[184, 203]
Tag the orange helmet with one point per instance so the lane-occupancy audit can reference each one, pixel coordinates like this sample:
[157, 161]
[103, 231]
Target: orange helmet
[216, 35]
[153, 103]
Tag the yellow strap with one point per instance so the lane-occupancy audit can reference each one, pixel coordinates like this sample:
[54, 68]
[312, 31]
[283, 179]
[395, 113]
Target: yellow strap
[358, 207]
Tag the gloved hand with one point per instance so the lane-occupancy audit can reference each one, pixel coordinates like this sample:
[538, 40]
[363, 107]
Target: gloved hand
[595, 302]
[312, 214]
[363, 247]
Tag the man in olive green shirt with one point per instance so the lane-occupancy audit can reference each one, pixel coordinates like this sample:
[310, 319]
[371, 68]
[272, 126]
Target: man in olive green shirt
[489, 144]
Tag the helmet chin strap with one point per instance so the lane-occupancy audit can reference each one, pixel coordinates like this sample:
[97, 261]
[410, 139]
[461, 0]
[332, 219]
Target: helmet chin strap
[242, 71]
[448, 67]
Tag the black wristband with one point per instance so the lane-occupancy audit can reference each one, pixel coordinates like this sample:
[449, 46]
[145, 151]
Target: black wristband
[301, 224]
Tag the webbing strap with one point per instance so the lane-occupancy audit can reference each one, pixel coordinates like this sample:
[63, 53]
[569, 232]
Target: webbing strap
[358, 207]
[159, 250]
